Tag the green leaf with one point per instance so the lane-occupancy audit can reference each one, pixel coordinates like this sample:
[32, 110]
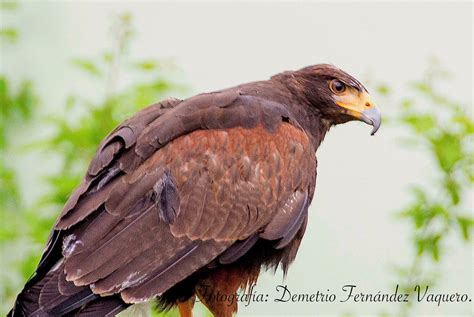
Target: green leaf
[8, 5]
[71, 101]
[8, 34]
[421, 123]
[407, 104]
[383, 89]
[9, 197]
[447, 150]
[147, 65]
[87, 66]
[416, 212]
[465, 122]
[107, 57]
[453, 188]
[422, 87]
[429, 244]
[466, 225]
[26, 99]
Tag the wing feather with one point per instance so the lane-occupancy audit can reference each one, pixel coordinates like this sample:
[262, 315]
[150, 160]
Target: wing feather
[175, 186]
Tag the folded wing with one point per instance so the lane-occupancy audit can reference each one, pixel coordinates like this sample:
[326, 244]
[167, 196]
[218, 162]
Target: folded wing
[177, 186]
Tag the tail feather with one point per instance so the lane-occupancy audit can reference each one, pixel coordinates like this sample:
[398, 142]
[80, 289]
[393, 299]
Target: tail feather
[47, 293]
[27, 303]
[52, 295]
[107, 307]
[56, 300]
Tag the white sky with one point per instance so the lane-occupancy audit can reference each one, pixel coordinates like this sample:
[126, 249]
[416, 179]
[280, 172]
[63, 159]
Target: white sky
[352, 235]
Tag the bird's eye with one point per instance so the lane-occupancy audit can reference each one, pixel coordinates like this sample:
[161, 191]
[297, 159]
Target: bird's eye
[337, 87]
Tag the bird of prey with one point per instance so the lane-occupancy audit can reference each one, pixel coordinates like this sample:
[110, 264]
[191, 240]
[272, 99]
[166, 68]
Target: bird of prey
[193, 198]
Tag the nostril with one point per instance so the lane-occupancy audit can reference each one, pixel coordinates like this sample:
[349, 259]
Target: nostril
[367, 104]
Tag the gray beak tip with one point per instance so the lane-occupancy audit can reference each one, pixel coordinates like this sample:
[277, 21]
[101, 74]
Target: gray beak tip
[372, 116]
[374, 130]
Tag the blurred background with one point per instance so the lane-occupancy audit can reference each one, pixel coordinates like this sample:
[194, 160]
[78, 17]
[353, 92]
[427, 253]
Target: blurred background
[393, 209]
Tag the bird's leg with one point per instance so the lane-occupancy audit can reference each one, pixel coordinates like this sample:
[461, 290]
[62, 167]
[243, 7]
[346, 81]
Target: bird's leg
[186, 308]
[219, 291]
[217, 305]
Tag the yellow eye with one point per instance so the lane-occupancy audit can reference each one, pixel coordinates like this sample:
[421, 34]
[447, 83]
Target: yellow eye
[337, 87]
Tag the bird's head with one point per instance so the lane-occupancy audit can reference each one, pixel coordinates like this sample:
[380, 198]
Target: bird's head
[337, 96]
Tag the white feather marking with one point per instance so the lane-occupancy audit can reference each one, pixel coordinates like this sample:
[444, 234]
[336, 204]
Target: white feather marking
[70, 244]
[133, 280]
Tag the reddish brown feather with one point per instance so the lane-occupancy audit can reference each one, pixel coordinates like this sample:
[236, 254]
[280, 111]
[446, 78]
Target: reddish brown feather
[222, 204]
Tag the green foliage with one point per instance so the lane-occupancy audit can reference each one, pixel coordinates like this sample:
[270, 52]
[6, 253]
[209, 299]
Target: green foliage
[8, 5]
[77, 140]
[8, 34]
[446, 132]
[87, 66]
[18, 103]
[383, 89]
[17, 107]
[443, 129]
[74, 141]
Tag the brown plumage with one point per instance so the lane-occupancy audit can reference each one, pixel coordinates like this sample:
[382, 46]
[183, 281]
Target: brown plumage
[190, 198]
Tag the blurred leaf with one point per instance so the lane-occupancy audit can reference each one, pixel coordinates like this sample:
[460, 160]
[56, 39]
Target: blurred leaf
[447, 149]
[429, 244]
[171, 313]
[466, 225]
[147, 65]
[383, 89]
[422, 87]
[454, 190]
[422, 123]
[417, 213]
[107, 57]
[71, 101]
[8, 34]
[465, 122]
[8, 5]
[9, 198]
[87, 66]
[407, 104]
[16, 105]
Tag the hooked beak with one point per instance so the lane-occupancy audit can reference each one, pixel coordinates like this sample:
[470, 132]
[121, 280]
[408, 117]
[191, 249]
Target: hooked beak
[372, 116]
[361, 107]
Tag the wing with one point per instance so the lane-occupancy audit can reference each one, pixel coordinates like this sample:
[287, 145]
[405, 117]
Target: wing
[179, 185]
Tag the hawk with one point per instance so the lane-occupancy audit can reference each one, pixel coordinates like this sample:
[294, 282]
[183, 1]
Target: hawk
[193, 198]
